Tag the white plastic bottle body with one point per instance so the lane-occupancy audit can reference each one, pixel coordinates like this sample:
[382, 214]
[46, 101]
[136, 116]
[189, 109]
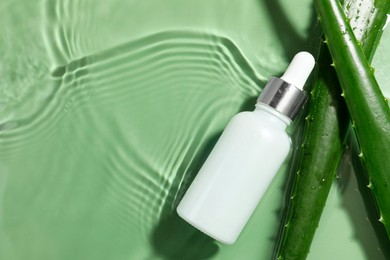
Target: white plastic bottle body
[236, 174]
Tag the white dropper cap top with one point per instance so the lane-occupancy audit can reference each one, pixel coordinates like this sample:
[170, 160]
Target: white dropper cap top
[299, 69]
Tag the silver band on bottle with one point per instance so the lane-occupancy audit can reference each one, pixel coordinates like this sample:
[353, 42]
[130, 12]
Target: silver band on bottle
[282, 96]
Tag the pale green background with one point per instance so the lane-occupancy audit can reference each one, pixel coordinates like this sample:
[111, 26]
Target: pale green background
[101, 131]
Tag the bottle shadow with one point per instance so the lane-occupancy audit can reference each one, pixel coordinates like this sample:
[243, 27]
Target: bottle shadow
[173, 238]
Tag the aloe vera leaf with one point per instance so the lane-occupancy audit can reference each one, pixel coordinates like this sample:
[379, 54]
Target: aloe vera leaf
[368, 108]
[325, 128]
[368, 197]
[373, 21]
[318, 161]
[369, 43]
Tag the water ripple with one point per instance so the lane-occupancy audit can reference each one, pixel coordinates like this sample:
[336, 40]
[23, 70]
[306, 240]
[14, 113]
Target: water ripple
[142, 114]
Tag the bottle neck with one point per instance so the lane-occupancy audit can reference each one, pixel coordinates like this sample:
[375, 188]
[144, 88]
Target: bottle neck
[283, 120]
[283, 97]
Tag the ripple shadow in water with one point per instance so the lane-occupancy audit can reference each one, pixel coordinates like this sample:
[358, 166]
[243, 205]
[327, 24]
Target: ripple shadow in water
[114, 141]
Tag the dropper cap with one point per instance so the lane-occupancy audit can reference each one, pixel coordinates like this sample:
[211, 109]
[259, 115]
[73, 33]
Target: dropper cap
[286, 94]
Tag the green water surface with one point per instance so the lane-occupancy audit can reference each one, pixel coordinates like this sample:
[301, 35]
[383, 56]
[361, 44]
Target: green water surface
[109, 108]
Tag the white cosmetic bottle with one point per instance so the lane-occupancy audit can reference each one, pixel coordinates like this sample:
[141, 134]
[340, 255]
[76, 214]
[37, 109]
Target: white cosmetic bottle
[246, 158]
